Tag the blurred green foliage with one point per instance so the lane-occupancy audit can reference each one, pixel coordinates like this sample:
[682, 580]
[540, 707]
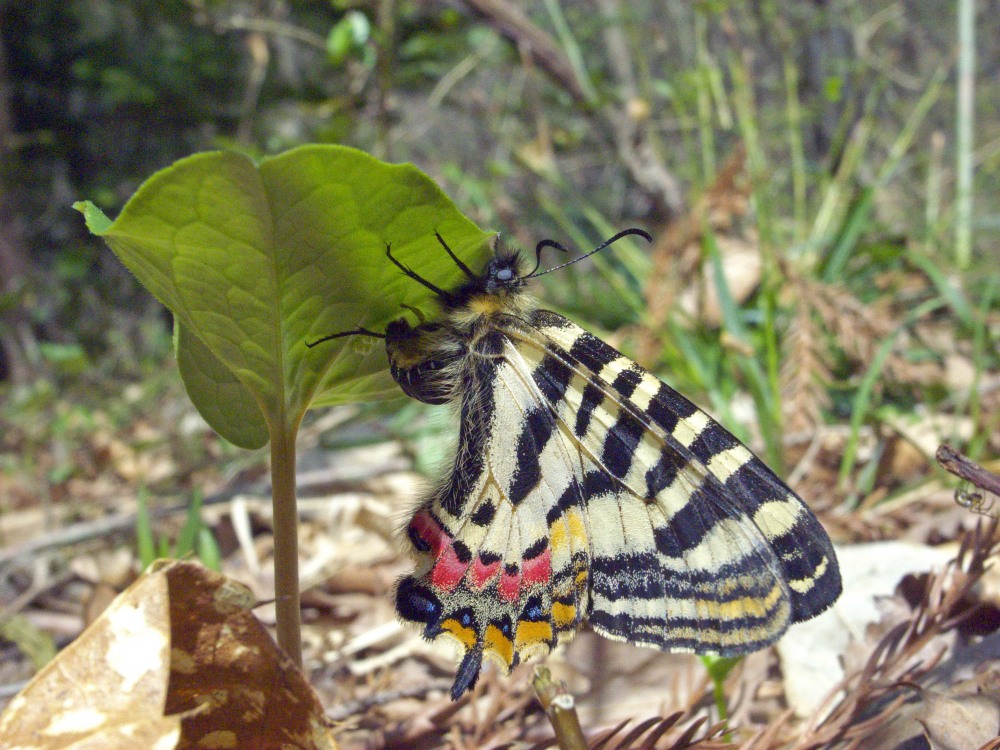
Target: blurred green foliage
[846, 110]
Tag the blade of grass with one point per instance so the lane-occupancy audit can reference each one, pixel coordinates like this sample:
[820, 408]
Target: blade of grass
[964, 135]
[208, 550]
[632, 254]
[693, 354]
[944, 286]
[706, 131]
[760, 385]
[905, 138]
[861, 209]
[746, 117]
[843, 249]
[768, 382]
[571, 48]
[146, 546]
[834, 198]
[795, 147]
[980, 352]
[192, 524]
[861, 405]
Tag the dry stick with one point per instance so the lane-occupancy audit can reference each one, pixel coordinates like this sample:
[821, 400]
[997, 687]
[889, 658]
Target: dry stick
[560, 708]
[967, 469]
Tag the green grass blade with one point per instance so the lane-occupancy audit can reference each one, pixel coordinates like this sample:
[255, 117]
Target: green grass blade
[944, 286]
[208, 550]
[862, 403]
[192, 525]
[857, 222]
[145, 545]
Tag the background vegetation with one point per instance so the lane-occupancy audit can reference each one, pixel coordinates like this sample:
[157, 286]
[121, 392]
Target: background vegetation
[818, 280]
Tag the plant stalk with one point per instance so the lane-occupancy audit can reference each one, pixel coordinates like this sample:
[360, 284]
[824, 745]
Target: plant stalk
[286, 543]
[964, 124]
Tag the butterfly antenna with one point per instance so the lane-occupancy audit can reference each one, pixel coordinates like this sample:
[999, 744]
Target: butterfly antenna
[550, 243]
[355, 332]
[538, 254]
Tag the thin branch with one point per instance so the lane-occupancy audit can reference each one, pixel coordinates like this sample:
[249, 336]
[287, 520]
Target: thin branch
[953, 461]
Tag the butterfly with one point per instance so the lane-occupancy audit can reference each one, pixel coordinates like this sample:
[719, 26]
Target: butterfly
[585, 489]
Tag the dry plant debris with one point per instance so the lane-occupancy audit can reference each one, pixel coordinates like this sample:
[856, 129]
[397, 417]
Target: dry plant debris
[107, 689]
[178, 660]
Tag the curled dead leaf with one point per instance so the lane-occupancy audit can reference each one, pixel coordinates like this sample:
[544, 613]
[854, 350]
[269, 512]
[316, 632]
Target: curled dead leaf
[107, 689]
[178, 660]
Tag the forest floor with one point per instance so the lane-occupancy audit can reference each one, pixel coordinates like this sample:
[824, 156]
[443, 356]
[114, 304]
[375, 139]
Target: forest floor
[912, 650]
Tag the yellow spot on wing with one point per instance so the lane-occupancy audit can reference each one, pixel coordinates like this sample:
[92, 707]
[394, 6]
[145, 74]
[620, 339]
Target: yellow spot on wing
[563, 615]
[465, 635]
[532, 634]
[744, 606]
[499, 644]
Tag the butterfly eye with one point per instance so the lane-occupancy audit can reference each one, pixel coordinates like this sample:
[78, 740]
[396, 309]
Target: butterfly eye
[505, 274]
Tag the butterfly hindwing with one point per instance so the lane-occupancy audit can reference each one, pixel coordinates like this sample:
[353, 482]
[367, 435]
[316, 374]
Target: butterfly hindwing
[502, 546]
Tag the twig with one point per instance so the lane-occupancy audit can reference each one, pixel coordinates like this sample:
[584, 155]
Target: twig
[560, 709]
[351, 708]
[509, 21]
[953, 461]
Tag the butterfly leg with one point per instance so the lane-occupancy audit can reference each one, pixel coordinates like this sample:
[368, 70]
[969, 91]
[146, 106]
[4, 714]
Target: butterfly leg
[414, 275]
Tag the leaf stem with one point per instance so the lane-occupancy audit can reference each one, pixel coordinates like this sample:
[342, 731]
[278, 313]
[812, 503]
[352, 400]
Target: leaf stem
[286, 543]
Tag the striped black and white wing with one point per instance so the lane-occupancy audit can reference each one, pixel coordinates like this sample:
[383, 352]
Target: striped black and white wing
[502, 546]
[585, 488]
[695, 543]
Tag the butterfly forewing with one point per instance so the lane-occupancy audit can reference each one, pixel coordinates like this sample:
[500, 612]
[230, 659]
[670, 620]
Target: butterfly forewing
[699, 473]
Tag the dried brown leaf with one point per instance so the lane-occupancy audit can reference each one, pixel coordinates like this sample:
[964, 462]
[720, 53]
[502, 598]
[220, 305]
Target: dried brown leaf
[223, 663]
[953, 722]
[107, 689]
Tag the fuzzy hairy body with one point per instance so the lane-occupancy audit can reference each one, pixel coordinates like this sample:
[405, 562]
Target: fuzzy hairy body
[586, 489]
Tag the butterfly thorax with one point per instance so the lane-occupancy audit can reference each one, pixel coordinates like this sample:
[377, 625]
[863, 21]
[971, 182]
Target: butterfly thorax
[427, 360]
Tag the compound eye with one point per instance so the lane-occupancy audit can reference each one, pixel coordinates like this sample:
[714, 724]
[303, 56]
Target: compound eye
[505, 274]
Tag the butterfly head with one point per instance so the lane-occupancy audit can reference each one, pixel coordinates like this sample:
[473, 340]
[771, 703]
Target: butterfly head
[502, 281]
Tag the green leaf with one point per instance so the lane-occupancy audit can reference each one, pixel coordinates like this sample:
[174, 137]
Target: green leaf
[217, 393]
[256, 260]
[347, 36]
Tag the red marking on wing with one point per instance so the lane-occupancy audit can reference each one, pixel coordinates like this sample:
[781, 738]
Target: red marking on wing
[448, 570]
[538, 569]
[430, 532]
[482, 573]
[510, 583]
